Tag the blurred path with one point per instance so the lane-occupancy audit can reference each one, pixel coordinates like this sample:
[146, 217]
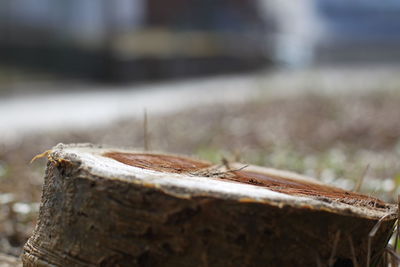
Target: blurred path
[94, 107]
[89, 106]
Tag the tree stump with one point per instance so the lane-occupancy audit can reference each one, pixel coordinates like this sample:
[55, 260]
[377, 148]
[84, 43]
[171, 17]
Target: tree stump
[112, 207]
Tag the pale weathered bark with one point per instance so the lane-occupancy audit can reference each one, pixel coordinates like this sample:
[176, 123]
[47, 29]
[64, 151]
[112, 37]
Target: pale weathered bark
[109, 207]
[9, 261]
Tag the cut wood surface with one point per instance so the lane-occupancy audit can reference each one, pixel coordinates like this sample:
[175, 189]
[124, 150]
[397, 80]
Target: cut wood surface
[113, 207]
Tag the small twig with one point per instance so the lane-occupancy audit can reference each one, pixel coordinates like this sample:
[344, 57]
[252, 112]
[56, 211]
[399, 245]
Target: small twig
[333, 253]
[41, 155]
[361, 179]
[145, 131]
[372, 233]
[353, 251]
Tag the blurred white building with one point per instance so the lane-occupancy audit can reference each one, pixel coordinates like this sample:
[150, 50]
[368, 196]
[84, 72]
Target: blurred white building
[296, 32]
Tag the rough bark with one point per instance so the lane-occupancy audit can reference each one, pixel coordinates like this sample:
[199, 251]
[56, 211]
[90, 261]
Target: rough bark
[108, 207]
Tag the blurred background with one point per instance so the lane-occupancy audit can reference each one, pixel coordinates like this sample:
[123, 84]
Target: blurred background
[310, 86]
[131, 40]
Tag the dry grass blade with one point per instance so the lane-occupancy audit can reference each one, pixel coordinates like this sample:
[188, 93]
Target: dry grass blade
[238, 169]
[394, 255]
[385, 258]
[216, 171]
[318, 260]
[335, 244]
[372, 233]
[398, 224]
[360, 181]
[145, 131]
[225, 162]
[237, 155]
[353, 251]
